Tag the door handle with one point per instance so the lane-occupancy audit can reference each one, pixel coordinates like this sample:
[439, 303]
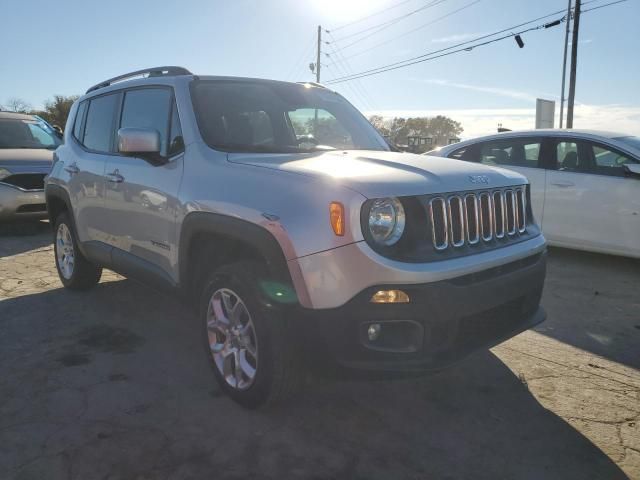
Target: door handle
[563, 184]
[72, 169]
[115, 177]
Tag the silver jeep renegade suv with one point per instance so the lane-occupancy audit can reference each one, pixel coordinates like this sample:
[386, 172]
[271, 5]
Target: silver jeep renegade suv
[298, 233]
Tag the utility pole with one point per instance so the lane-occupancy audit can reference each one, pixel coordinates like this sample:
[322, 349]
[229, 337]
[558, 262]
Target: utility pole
[319, 53]
[564, 62]
[574, 62]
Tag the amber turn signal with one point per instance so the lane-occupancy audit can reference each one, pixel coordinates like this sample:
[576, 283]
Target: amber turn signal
[336, 216]
[390, 296]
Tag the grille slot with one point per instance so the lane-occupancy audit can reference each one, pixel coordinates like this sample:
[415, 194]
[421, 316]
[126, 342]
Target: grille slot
[510, 212]
[456, 220]
[521, 210]
[439, 223]
[472, 218]
[498, 213]
[467, 219]
[486, 216]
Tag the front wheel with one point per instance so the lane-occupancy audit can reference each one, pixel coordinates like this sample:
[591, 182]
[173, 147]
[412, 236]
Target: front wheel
[74, 270]
[252, 352]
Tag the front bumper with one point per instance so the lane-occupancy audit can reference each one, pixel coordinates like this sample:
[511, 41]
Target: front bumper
[17, 204]
[444, 321]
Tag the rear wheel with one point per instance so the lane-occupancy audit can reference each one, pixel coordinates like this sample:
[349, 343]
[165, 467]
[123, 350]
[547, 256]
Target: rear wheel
[74, 270]
[248, 341]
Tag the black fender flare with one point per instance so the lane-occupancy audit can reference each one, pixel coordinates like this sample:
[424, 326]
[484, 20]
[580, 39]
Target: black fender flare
[52, 191]
[257, 237]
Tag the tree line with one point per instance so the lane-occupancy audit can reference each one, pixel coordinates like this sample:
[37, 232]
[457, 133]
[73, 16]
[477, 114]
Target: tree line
[55, 111]
[440, 129]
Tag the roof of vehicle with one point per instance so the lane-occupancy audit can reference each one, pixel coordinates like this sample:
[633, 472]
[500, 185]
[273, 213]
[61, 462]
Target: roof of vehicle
[565, 132]
[168, 75]
[603, 135]
[15, 116]
[552, 132]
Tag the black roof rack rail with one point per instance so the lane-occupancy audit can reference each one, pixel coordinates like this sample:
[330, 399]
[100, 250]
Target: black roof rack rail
[153, 72]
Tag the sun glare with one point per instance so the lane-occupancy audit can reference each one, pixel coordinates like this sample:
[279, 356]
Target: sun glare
[348, 10]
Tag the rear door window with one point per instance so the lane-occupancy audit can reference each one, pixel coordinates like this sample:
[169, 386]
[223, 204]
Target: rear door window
[98, 131]
[569, 157]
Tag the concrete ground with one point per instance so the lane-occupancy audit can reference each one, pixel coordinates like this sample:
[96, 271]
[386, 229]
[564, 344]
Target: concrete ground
[113, 384]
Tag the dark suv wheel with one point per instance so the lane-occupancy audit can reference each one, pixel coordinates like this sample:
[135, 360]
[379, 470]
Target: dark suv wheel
[74, 270]
[254, 358]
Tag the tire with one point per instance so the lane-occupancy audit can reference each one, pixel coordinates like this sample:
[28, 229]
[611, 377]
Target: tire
[74, 270]
[233, 293]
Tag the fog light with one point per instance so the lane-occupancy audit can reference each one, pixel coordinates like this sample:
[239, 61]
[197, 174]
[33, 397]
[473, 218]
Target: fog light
[373, 332]
[390, 296]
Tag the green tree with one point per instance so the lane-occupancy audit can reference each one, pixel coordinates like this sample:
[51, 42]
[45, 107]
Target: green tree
[440, 129]
[56, 111]
[380, 124]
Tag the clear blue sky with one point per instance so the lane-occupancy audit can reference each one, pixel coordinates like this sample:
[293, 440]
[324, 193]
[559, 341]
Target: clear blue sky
[63, 47]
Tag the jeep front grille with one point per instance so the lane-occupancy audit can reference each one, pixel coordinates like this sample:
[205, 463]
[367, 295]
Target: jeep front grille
[466, 219]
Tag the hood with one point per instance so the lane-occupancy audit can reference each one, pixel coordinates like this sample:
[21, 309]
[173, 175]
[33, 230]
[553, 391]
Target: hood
[24, 160]
[377, 174]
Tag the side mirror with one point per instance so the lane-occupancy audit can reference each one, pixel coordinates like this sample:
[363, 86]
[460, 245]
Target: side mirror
[141, 142]
[632, 169]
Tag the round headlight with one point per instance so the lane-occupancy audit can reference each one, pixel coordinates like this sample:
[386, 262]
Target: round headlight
[386, 221]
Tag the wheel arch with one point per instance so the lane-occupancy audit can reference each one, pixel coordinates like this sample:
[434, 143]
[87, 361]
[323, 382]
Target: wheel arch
[58, 201]
[235, 239]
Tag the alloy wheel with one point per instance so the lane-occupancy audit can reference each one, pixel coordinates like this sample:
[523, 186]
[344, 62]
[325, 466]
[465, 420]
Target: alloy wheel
[65, 251]
[232, 338]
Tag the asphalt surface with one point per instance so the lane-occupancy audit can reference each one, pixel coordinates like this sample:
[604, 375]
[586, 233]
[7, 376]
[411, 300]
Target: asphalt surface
[113, 384]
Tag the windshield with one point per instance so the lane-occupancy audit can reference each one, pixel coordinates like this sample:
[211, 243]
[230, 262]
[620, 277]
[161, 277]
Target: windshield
[631, 141]
[251, 116]
[19, 133]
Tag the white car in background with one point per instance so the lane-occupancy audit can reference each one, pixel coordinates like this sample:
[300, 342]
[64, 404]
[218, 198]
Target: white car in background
[585, 185]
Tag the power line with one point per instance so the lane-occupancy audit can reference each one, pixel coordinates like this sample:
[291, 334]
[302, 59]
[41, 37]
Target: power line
[482, 37]
[421, 59]
[388, 23]
[346, 25]
[600, 6]
[431, 55]
[424, 25]
[341, 63]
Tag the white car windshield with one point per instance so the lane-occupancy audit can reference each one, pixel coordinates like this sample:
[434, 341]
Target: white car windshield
[19, 133]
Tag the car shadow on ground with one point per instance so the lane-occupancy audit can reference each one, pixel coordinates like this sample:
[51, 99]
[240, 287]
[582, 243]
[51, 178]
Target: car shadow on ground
[592, 302]
[22, 237]
[114, 383]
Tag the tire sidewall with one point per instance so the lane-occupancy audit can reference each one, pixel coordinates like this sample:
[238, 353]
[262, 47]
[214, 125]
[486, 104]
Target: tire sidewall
[246, 286]
[64, 218]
